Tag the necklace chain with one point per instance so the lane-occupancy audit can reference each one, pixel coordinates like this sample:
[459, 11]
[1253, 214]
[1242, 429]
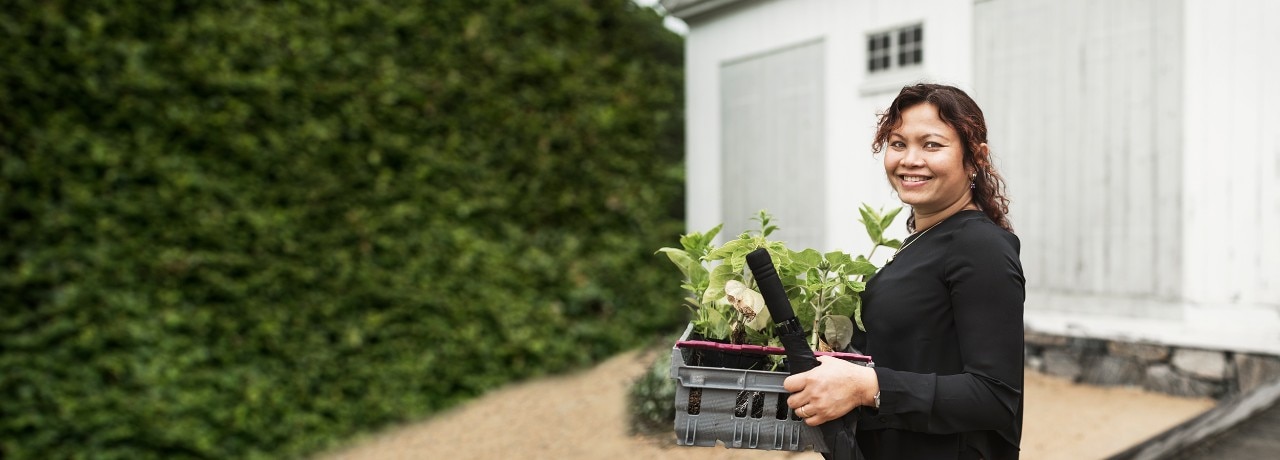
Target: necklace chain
[909, 243]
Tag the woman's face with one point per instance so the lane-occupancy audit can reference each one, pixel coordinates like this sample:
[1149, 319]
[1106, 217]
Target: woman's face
[925, 161]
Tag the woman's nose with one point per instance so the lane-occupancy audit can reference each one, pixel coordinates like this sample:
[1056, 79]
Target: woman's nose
[912, 157]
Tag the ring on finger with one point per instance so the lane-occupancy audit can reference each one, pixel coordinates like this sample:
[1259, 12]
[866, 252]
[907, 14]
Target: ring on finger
[803, 413]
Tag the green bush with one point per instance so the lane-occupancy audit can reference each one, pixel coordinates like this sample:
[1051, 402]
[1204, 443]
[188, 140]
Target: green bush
[651, 398]
[254, 229]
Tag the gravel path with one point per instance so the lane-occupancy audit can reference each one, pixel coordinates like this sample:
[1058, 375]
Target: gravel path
[583, 416]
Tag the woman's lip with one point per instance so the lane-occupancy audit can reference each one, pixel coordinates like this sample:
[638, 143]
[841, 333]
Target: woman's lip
[913, 184]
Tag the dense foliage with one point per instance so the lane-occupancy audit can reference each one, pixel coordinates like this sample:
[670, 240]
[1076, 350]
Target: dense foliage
[252, 229]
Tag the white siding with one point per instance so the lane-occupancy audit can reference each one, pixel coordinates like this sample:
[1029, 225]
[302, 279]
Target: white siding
[1082, 99]
[1232, 173]
[1138, 137]
[772, 155]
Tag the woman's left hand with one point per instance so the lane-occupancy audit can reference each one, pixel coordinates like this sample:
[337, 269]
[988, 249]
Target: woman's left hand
[831, 390]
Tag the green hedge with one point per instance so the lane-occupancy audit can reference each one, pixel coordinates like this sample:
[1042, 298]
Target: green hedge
[254, 229]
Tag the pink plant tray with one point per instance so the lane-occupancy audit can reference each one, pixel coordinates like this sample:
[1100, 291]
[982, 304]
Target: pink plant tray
[757, 349]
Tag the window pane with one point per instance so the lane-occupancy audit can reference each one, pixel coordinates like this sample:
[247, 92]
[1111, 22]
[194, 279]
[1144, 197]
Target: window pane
[877, 41]
[919, 55]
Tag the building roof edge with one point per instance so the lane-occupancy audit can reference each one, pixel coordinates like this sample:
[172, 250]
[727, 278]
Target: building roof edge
[687, 9]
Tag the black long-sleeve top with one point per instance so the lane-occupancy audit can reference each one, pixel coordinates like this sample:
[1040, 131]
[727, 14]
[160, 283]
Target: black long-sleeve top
[944, 325]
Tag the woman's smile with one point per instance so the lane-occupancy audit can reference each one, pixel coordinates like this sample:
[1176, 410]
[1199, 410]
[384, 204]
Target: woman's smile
[925, 162]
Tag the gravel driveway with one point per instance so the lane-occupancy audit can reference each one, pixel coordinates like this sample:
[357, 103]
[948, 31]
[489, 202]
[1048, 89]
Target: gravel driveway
[583, 416]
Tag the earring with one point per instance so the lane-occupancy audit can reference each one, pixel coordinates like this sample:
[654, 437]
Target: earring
[973, 177]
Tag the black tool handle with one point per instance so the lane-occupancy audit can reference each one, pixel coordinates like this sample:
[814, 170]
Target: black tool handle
[800, 357]
[775, 297]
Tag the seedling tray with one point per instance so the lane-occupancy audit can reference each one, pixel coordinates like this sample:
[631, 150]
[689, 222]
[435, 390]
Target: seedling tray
[743, 407]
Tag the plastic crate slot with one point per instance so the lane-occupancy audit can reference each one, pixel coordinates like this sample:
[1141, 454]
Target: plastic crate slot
[695, 401]
[691, 432]
[740, 408]
[781, 410]
[757, 405]
[746, 433]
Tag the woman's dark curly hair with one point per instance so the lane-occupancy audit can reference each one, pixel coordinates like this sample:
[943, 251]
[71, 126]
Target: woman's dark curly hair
[959, 112]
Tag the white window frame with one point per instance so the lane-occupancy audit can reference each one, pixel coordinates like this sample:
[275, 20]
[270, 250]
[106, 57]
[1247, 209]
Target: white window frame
[882, 79]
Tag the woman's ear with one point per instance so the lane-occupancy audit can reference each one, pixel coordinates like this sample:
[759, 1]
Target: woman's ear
[982, 158]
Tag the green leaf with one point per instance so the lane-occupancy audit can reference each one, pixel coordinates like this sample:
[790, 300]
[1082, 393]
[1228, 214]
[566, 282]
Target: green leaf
[698, 244]
[838, 331]
[872, 223]
[813, 278]
[764, 218]
[686, 263]
[717, 323]
[887, 220]
[861, 268]
[895, 243]
[804, 315]
[857, 313]
[844, 305]
[806, 259]
[838, 259]
[715, 285]
[739, 257]
[730, 248]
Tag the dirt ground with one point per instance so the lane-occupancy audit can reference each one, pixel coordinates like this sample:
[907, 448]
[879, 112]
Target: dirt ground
[583, 416]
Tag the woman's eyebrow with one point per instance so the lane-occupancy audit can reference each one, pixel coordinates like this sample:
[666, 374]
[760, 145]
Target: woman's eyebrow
[921, 137]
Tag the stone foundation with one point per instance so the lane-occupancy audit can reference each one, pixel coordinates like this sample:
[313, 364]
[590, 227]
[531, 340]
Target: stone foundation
[1167, 369]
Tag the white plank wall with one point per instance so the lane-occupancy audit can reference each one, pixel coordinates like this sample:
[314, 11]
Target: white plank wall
[1081, 99]
[772, 132]
[1232, 175]
[1140, 141]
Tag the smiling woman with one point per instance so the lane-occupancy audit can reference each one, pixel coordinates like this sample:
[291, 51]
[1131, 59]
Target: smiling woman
[944, 320]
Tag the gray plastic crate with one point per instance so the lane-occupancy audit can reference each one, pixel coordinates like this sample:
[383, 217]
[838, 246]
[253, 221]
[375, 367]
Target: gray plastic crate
[744, 409]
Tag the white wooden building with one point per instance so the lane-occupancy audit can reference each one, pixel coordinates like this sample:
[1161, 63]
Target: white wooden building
[1140, 140]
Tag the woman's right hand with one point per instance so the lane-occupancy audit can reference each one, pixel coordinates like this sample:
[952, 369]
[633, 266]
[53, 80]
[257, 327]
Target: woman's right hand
[831, 390]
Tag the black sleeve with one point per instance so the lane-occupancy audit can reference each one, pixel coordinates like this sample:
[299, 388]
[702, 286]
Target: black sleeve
[985, 281]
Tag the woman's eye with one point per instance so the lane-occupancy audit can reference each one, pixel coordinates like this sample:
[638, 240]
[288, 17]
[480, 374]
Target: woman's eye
[932, 145]
[898, 144]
